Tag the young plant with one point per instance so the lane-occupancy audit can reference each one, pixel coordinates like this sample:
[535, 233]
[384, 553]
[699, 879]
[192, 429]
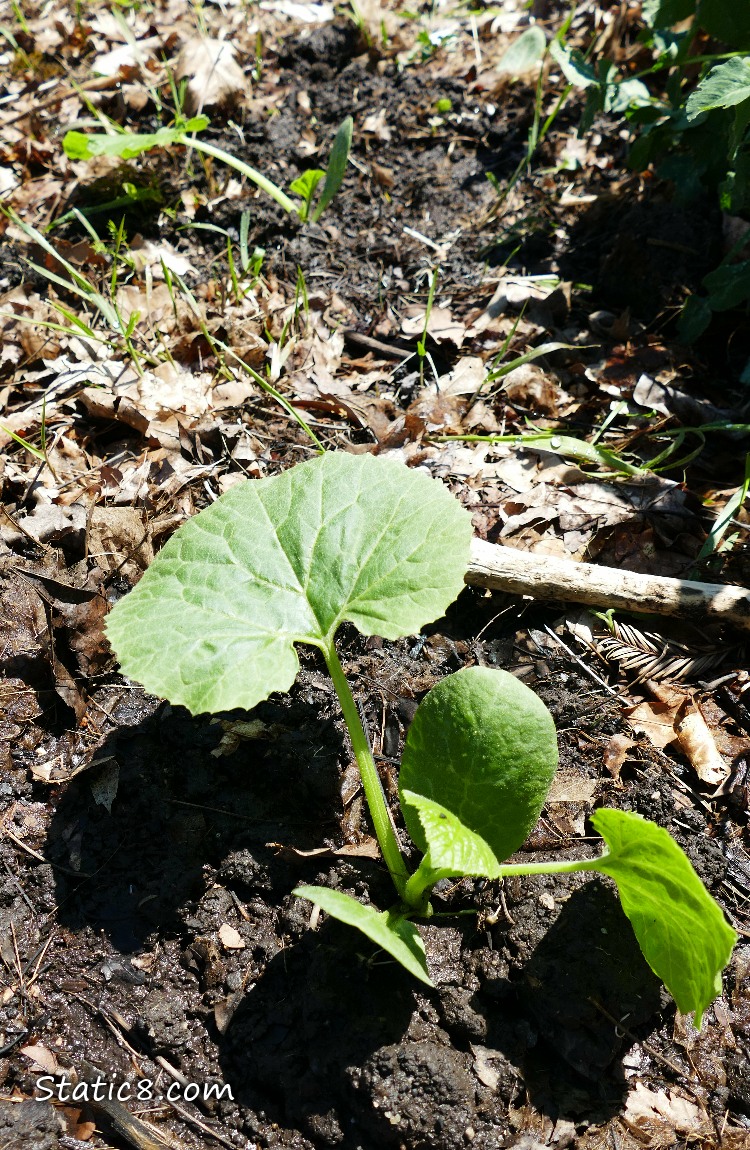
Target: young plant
[275, 562]
[128, 145]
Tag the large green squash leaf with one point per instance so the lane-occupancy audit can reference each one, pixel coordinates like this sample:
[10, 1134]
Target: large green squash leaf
[213, 622]
[389, 930]
[681, 930]
[483, 746]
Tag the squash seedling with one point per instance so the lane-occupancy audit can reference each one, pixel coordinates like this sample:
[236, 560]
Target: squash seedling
[213, 625]
[128, 145]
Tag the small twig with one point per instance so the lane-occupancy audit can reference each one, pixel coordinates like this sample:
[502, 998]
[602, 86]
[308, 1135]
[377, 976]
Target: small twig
[548, 577]
[97, 84]
[629, 1033]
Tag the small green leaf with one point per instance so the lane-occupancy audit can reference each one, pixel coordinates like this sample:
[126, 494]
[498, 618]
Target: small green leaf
[389, 930]
[573, 65]
[728, 285]
[695, 318]
[627, 94]
[724, 86]
[337, 161]
[524, 52]
[128, 145]
[452, 848]
[483, 746]
[665, 13]
[306, 184]
[681, 930]
[273, 562]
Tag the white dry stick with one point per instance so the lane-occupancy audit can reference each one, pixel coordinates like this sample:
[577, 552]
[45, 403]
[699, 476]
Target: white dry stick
[546, 577]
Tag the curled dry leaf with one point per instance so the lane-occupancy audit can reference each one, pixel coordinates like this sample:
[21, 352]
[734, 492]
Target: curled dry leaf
[213, 74]
[645, 1108]
[441, 325]
[675, 717]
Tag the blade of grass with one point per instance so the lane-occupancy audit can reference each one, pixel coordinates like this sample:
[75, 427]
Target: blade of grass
[19, 439]
[80, 286]
[725, 517]
[565, 445]
[215, 344]
[337, 161]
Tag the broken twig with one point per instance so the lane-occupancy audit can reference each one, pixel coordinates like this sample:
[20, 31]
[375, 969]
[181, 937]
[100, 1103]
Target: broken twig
[547, 577]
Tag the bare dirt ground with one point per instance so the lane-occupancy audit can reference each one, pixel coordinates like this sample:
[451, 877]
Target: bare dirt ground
[148, 936]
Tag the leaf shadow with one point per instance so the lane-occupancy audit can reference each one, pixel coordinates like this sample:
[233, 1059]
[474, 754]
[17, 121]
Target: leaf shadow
[180, 813]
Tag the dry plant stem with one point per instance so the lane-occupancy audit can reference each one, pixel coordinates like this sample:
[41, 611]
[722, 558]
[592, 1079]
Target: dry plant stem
[547, 577]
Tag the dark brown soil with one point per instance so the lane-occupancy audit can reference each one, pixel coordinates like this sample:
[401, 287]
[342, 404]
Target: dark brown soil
[543, 1004]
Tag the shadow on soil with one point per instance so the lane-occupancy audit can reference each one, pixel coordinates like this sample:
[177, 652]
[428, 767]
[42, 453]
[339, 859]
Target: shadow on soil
[331, 1037]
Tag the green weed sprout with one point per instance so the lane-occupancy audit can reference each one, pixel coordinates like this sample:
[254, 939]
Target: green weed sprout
[128, 145]
[274, 562]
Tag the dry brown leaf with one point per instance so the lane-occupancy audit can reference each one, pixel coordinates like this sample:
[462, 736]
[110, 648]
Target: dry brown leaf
[645, 1106]
[571, 788]
[694, 737]
[42, 1058]
[656, 721]
[466, 377]
[81, 1131]
[119, 540]
[674, 717]
[231, 939]
[214, 76]
[441, 325]
[616, 754]
[530, 386]
[366, 849]
[375, 125]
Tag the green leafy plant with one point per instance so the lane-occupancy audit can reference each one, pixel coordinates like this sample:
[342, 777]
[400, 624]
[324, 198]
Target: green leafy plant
[128, 145]
[603, 91]
[695, 136]
[213, 625]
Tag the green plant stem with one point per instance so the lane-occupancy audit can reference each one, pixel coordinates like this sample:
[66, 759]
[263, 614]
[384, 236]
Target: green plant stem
[252, 174]
[373, 789]
[508, 869]
[553, 441]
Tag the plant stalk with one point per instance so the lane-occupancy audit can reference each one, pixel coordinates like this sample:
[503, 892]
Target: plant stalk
[508, 869]
[381, 820]
[264, 184]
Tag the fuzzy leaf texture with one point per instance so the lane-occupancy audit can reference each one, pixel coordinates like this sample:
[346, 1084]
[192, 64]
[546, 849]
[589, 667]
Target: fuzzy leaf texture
[483, 746]
[388, 930]
[524, 52]
[452, 849]
[724, 86]
[273, 562]
[681, 930]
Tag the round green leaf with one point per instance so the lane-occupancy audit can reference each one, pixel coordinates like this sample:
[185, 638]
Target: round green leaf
[213, 622]
[483, 746]
[681, 930]
[524, 52]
